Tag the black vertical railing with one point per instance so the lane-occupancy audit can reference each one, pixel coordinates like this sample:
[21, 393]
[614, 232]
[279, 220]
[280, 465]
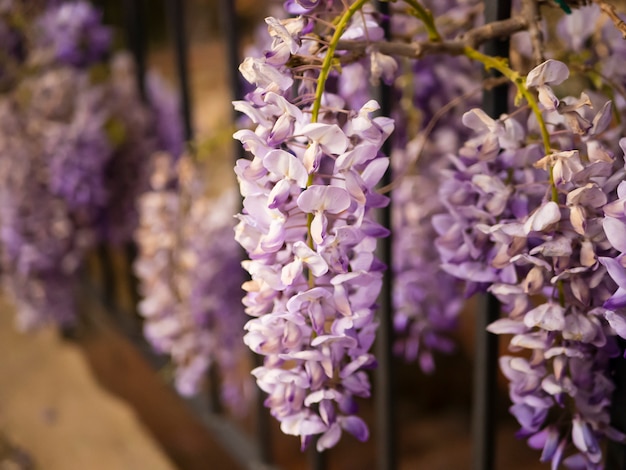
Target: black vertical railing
[175, 10]
[384, 398]
[495, 103]
[231, 35]
[136, 39]
[616, 451]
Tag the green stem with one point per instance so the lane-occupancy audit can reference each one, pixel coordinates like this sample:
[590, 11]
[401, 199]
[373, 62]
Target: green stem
[330, 54]
[518, 80]
[319, 91]
[426, 17]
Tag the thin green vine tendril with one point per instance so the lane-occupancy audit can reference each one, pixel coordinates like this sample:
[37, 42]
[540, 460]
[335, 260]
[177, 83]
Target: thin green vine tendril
[328, 59]
[319, 91]
[426, 17]
[518, 80]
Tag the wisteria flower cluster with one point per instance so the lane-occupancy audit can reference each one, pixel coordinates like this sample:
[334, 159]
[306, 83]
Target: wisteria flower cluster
[308, 229]
[527, 226]
[528, 207]
[73, 153]
[186, 249]
[427, 300]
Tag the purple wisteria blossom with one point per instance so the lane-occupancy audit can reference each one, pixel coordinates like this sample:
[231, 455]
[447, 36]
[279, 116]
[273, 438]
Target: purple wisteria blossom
[523, 235]
[41, 240]
[74, 153]
[427, 300]
[73, 34]
[190, 277]
[308, 229]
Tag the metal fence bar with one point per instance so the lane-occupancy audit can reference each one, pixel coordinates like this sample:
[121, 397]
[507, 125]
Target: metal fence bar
[176, 14]
[616, 451]
[136, 39]
[230, 32]
[495, 102]
[484, 398]
[384, 399]
[317, 460]
[108, 276]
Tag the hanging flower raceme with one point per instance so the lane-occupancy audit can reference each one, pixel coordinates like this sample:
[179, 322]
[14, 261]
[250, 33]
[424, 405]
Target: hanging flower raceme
[190, 277]
[308, 229]
[525, 227]
[427, 300]
[84, 137]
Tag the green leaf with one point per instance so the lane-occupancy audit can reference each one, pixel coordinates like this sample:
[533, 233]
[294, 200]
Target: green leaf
[564, 6]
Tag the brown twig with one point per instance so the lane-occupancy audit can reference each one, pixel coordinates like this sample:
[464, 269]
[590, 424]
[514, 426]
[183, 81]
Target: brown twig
[531, 11]
[610, 11]
[417, 49]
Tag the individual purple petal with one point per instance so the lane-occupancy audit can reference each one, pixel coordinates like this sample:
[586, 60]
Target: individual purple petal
[319, 225]
[602, 119]
[546, 215]
[471, 271]
[550, 445]
[507, 326]
[360, 154]
[615, 269]
[479, 121]
[584, 439]
[355, 426]
[547, 98]
[313, 260]
[616, 320]
[617, 300]
[549, 72]
[320, 198]
[598, 153]
[528, 417]
[590, 195]
[329, 438]
[530, 341]
[302, 423]
[615, 230]
[579, 328]
[382, 66]
[553, 387]
[330, 137]
[374, 171]
[264, 75]
[286, 166]
[548, 316]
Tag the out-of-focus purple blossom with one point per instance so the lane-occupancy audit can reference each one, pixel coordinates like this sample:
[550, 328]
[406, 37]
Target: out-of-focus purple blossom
[427, 300]
[73, 156]
[74, 33]
[166, 114]
[79, 151]
[190, 277]
[132, 132]
[41, 240]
